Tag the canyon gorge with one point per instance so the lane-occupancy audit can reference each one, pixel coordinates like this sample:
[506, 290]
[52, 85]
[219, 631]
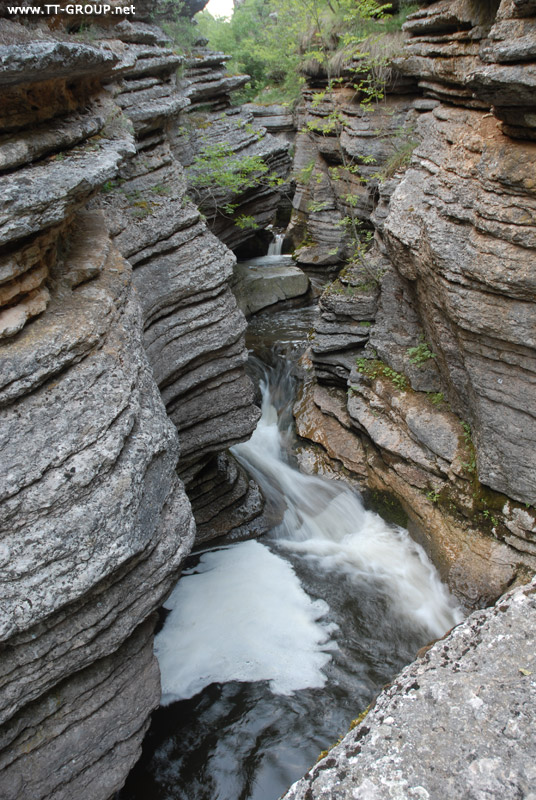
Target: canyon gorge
[123, 382]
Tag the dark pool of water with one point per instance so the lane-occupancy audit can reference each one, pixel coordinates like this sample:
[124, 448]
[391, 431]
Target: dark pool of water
[239, 741]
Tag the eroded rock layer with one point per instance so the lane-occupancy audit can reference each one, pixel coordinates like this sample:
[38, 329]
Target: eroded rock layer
[95, 521]
[424, 347]
[193, 330]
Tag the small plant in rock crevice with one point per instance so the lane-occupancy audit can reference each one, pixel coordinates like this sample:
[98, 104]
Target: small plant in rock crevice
[376, 368]
[420, 354]
[436, 398]
[470, 466]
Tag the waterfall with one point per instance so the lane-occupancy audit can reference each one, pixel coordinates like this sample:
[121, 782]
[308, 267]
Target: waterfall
[242, 615]
[326, 522]
[276, 245]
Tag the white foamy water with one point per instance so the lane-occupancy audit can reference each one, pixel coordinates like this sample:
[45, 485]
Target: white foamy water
[325, 521]
[275, 247]
[242, 614]
[242, 617]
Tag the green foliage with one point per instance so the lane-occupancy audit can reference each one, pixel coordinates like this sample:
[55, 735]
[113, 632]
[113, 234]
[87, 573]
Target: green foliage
[217, 166]
[218, 172]
[260, 47]
[314, 208]
[436, 398]
[246, 223]
[490, 517]
[420, 354]
[160, 189]
[404, 143]
[273, 40]
[183, 33]
[470, 465]
[373, 369]
[467, 433]
[304, 175]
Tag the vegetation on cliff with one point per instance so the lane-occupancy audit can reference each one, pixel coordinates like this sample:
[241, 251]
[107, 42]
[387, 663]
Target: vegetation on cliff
[277, 42]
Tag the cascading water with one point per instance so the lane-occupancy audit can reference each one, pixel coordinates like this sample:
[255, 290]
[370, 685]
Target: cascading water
[272, 647]
[325, 521]
[275, 248]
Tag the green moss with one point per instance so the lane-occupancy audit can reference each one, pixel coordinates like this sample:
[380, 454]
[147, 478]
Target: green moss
[373, 368]
[358, 720]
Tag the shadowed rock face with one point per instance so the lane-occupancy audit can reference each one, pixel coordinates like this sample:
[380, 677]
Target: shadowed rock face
[193, 330]
[95, 521]
[324, 180]
[256, 202]
[419, 739]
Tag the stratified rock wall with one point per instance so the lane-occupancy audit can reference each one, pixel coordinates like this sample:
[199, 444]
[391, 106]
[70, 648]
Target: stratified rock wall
[95, 521]
[194, 331]
[239, 213]
[425, 346]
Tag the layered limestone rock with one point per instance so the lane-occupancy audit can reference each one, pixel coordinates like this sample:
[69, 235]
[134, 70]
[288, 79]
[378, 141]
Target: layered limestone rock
[39, 191]
[424, 346]
[206, 81]
[418, 739]
[95, 526]
[260, 283]
[343, 151]
[95, 519]
[194, 332]
[278, 119]
[236, 172]
[478, 55]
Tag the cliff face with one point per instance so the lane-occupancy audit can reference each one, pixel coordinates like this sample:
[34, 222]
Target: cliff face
[424, 351]
[229, 140]
[422, 384]
[115, 377]
[193, 330]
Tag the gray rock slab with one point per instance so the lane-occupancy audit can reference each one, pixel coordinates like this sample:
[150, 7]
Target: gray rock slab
[457, 723]
[94, 733]
[42, 61]
[261, 283]
[43, 195]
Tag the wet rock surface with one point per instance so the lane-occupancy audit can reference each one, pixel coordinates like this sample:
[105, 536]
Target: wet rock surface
[418, 739]
[260, 283]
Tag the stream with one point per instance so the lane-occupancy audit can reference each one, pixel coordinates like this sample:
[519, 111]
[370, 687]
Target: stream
[270, 648]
